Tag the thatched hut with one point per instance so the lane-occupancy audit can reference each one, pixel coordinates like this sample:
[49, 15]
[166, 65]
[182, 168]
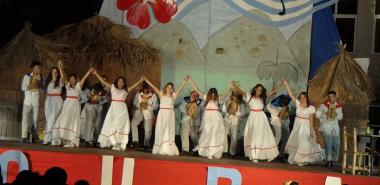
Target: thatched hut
[108, 47]
[15, 59]
[93, 42]
[354, 91]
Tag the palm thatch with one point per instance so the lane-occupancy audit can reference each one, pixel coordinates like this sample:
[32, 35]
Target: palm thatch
[100, 43]
[26, 47]
[352, 85]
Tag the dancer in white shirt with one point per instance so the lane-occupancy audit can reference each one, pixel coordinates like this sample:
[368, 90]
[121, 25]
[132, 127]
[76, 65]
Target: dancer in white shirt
[145, 103]
[31, 85]
[329, 113]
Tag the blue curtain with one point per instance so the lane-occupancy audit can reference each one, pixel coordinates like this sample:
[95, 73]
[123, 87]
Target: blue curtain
[324, 39]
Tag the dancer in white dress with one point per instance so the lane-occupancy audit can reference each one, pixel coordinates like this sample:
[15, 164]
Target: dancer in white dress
[259, 142]
[302, 146]
[164, 140]
[67, 127]
[116, 125]
[53, 101]
[213, 134]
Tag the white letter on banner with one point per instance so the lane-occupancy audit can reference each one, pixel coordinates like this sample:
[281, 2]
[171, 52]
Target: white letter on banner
[107, 170]
[215, 172]
[15, 156]
[128, 168]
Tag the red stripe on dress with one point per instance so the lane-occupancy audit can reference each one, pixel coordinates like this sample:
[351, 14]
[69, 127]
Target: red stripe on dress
[301, 117]
[72, 97]
[211, 109]
[301, 153]
[256, 110]
[167, 141]
[53, 94]
[255, 148]
[118, 100]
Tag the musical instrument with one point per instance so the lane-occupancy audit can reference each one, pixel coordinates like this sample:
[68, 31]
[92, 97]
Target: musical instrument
[232, 108]
[192, 110]
[144, 102]
[331, 112]
[34, 83]
[94, 97]
[284, 113]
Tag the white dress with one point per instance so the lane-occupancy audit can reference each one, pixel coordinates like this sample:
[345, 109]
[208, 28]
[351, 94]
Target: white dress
[259, 142]
[301, 147]
[164, 140]
[116, 125]
[213, 134]
[53, 107]
[67, 126]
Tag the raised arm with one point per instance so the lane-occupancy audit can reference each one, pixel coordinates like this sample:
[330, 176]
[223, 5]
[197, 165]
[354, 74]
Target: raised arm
[274, 90]
[62, 72]
[155, 89]
[195, 87]
[81, 82]
[105, 83]
[180, 87]
[135, 84]
[285, 82]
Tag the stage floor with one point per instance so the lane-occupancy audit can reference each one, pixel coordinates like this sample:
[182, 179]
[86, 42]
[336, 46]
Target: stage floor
[141, 154]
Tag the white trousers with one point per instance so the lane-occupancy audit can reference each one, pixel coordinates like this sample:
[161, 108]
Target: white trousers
[27, 123]
[188, 129]
[231, 127]
[281, 133]
[138, 117]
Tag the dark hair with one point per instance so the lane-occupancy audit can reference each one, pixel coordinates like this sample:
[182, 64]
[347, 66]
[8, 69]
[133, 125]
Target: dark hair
[145, 86]
[82, 182]
[331, 92]
[56, 176]
[35, 63]
[284, 101]
[209, 95]
[169, 83]
[306, 96]
[124, 80]
[294, 183]
[72, 75]
[263, 95]
[50, 77]
[27, 177]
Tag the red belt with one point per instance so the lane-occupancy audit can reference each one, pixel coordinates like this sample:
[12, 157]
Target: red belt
[256, 110]
[166, 108]
[119, 100]
[54, 94]
[302, 117]
[211, 109]
[72, 97]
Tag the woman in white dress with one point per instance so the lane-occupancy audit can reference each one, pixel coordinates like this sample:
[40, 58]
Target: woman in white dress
[53, 101]
[116, 127]
[164, 139]
[213, 134]
[302, 146]
[259, 142]
[67, 127]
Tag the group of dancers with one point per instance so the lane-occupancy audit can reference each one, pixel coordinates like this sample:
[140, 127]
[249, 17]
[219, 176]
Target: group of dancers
[209, 119]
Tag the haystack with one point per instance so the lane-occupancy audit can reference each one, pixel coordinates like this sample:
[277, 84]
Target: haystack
[109, 47]
[15, 59]
[352, 85]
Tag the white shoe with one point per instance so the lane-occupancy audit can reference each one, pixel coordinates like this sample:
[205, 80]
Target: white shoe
[116, 148]
[45, 143]
[300, 164]
[69, 145]
[255, 161]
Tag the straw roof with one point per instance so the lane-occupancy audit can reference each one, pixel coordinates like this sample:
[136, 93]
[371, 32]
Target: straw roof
[343, 75]
[26, 47]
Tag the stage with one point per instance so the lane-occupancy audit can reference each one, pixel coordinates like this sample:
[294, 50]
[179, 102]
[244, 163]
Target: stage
[106, 167]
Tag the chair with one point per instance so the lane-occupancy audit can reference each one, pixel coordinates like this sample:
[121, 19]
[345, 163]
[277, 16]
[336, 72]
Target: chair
[360, 160]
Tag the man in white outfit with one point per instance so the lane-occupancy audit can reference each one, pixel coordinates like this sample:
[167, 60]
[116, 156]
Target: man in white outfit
[234, 109]
[145, 103]
[279, 111]
[329, 113]
[191, 108]
[31, 85]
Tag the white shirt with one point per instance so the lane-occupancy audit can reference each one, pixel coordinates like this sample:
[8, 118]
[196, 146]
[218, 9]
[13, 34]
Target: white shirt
[31, 98]
[330, 127]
